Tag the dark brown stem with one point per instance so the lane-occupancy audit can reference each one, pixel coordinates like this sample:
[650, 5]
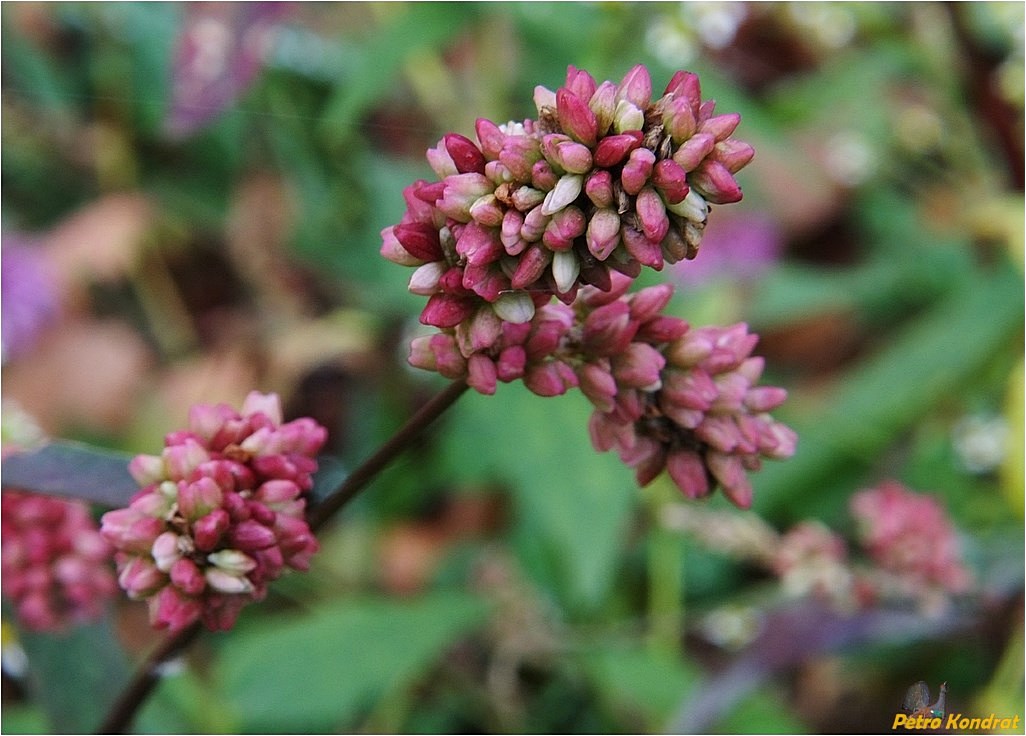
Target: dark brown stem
[396, 444]
[147, 676]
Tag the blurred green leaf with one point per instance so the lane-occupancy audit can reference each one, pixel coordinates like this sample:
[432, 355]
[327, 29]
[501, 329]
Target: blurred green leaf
[643, 688]
[764, 711]
[72, 470]
[75, 675]
[874, 402]
[573, 504]
[18, 719]
[409, 28]
[321, 671]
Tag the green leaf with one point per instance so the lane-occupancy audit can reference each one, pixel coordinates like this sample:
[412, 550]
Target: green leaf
[764, 711]
[573, 504]
[73, 470]
[636, 682]
[922, 365]
[412, 28]
[320, 672]
[75, 675]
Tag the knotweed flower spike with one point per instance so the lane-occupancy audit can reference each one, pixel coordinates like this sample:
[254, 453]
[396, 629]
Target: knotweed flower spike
[220, 514]
[56, 566]
[606, 180]
[572, 205]
[671, 397]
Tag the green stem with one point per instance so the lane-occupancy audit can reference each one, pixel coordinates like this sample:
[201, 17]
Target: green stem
[665, 576]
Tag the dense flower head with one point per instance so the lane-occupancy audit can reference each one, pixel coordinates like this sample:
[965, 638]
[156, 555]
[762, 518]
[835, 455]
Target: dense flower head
[909, 535]
[56, 566]
[220, 514]
[669, 396]
[606, 180]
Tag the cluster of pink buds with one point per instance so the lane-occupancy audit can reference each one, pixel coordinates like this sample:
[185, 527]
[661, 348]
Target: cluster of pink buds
[909, 535]
[56, 566]
[606, 180]
[671, 397]
[220, 515]
[491, 350]
[571, 206]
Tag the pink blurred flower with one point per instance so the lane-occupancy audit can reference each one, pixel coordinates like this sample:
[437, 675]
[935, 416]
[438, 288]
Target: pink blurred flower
[56, 566]
[909, 535]
[29, 293]
[218, 54]
[738, 246]
[220, 514]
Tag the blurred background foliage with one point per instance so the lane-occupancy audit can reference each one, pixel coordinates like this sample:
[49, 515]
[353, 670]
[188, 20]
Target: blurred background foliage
[192, 199]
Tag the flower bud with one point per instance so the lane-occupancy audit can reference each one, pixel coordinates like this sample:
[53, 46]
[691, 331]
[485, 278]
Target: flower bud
[721, 126]
[225, 582]
[510, 364]
[464, 154]
[526, 198]
[445, 310]
[647, 252]
[567, 189]
[199, 498]
[603, 233]
[639, 366]
[652, 214]
[715, 182]
[575, 117]
[552, 378]
[564, 227]
[627, 117]
[694, 150]
[613, 149]
[487, 211]
[733, 154]
[688, 473]
[599, 187]
[481, 374]
[208, 530]
[636, 87]
[565, 269]
[637, 170]
[181, 460]
[580, 82]
[679, 119]
[532, 265]
[543, 177]
[186, 576]
[603, 104]
[424, 280]
[515, 307]
[671, 180]
[419, 239]
[166, 551]
[490, 137]
[147, 469]
[461, 191]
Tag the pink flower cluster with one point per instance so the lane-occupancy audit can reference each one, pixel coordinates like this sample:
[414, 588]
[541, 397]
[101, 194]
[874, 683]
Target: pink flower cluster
[909, 535]
[572, 205]
[606, 180]
[509, 351]
[671, 397]
[221, 513]
[56, 566]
